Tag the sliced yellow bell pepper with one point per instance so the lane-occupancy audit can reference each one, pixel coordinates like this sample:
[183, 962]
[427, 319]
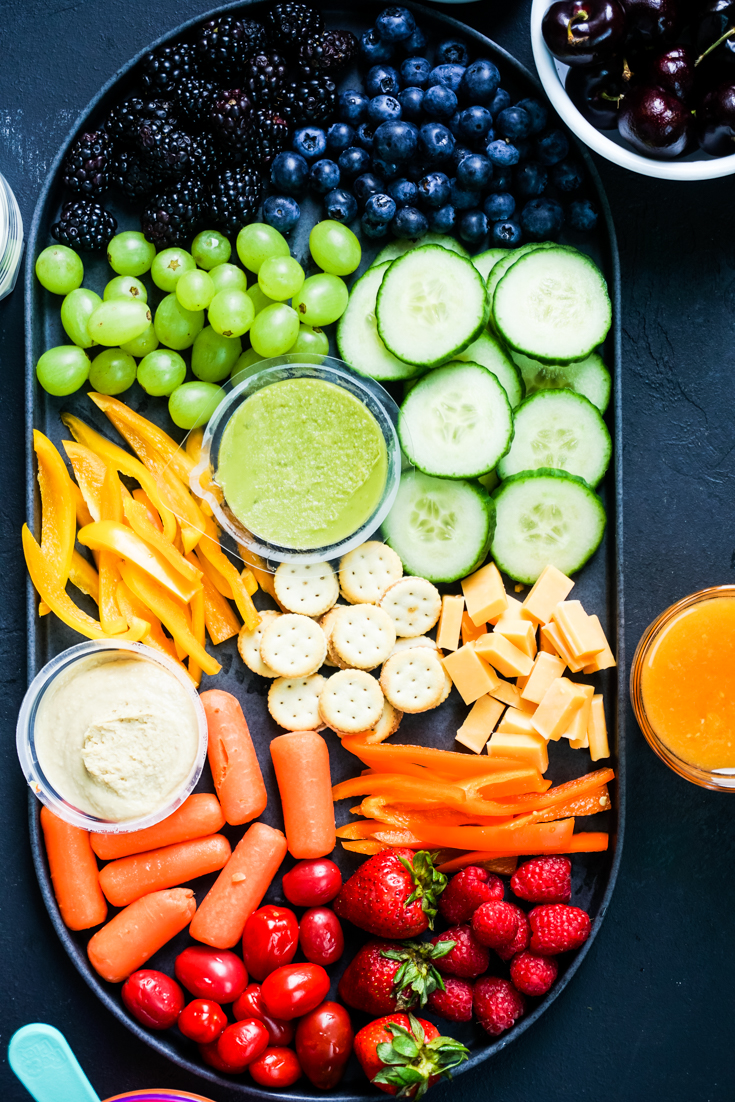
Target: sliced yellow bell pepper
[89, 471]
[84, 576]
[127, 421]
[80, 506]
[58, 511]
[133, 609]
[194, 450]
[248, 580]
[111, 511]
[219, 618]
[153, 517]
[259, 568]
[193, 445]
[210, 548]
[220, 584]
[197, 626]
[112, 537]
[137, 517]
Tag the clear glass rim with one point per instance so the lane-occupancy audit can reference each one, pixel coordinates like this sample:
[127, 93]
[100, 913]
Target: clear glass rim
[11, 238]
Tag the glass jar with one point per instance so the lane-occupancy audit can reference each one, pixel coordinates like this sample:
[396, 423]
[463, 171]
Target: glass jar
[11, 238]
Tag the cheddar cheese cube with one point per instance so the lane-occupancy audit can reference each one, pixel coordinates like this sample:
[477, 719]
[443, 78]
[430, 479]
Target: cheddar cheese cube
[577, 730]
[530, 747]
[521, 633]
[512, 612]
[553, 636]
[477, 728]
[485, 595]
[582, 638]
[597, 729]
[551, 587]
[471, 676]
[503, 655]
[604, 659]
[546, 669]
[450, 623]
[517, 722]
[555, 712]
[471, 631]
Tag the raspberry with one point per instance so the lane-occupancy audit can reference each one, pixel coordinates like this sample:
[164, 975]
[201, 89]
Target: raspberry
[544, 880]
[533, 975]
[495, 924]
[497, 1004]
[466, 891]
[522, 938]
[557, 928]
[467, 959]
[455, 1002]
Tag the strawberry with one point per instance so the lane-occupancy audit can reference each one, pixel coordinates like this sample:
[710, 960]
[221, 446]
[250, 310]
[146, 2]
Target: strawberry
[522, 938]
[543, 880]
[557, 928]
[387, 976]
[393, 894]
[531, 974]
[467, 958]
[404, 1055]
[495, 924]
[466, 891]
[497, 1004]
[454, 1002]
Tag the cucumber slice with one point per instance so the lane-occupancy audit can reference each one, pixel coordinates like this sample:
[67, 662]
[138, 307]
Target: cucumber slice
[358, 340]
[559, 429]
[589, 377]
[488, 351]
[512, 257]
[553, 306]
[431, 305]
[545, 518]
[485, 262]
[441, 529]
[456, 422]
[397, 248]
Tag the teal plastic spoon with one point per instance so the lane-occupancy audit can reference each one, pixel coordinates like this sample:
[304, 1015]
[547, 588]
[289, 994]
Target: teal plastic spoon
[48, 1069]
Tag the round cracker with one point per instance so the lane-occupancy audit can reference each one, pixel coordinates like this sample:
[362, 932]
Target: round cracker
[248, 644]
[414, 641]
[326, 622]
[413, 680]
[387, 725]
[293, 645]
[361, 636]
[308, 588]
[366, 572]
[294, 702]
[351, 701]
[414, 604]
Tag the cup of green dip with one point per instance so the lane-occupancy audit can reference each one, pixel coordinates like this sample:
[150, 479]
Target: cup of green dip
[301, 462]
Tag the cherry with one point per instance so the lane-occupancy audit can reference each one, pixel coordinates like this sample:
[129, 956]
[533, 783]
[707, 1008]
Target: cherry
[655, 122]
[651, 21]
[714, 47]
[580, 32]
[673, 71]
[595, 91]
[715, 122]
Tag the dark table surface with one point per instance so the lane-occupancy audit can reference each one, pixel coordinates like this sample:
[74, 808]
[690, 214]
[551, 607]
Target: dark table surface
[649, 1015]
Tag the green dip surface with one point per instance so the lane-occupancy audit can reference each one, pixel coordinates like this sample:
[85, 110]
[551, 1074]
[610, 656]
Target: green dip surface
[302, 463]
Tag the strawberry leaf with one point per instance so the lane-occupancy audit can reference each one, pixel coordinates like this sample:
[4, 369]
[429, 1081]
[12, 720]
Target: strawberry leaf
[429, 883]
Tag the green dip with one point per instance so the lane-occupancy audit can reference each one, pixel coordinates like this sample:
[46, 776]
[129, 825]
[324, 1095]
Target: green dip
[302, 463]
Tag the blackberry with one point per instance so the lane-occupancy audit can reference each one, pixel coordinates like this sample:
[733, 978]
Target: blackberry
[169, 149]
[194, 99]
[329, 52]
[308, 100]
[230, 118]
[263, 77]
[135, 175]
[211, 158]
[268, 137]
[173, 216]
[166, 67]
[87, 168]
[234, 197]
[124, 120]
[289, 24]
[84, 224]
[224, 44]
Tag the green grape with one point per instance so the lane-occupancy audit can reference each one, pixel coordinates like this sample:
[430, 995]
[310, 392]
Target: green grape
[228, 277]
[315, 342]
[335, 248]
[213, 356]
[280, 277]
[231, 313]
[175, 326]
[119, 320]
[76, 310]
[130, 254]
[160, 372]
[210, 248]
[142, 345]
[112, 371]
[274, 330]
[126, 287]
[195, 290]
[192, 404]
[243, 369]
[321, 300]
[59, 269]
[63, 369]
[259, 299]
[169, 266]
[258, 241]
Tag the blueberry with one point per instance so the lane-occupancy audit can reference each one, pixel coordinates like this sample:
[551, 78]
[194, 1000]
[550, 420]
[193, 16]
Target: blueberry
[374, 48]
[479, 82]
[531, 179]
[394, 24]
[449, 75]
[324, 176]
[413, 171]
[453, 123]
[366, 185]
[499, 102]
[459, 153]
[499, 207]
[443, 220]
[364, 135]
[416, 44]
[340, 136]
[524, 147]
[440, 102]
[415, 72]
[404, 192]
[502, 153]
[389, 170]
[567, 176]
[380, 208]
[581, 215]
[382, 80]
[507, 234]
[310, 142]
[502, 180]
[435, 141]
[461, 198]
[536, 112]
[474, 172]
[513, 123]
[340, 205]
[353, 161]
[395, 141]
[475, 123]
[352, 106]
[281, 212]
[452, 51]
[289, 173]
[434, 190]
[383, 108]
[473, 226]
[410, 222]
[552, 147]
[411, 100]
[373, 229]
[542, 219]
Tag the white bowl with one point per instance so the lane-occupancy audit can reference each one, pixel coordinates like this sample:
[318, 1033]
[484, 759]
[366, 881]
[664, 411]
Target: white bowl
[695, 166]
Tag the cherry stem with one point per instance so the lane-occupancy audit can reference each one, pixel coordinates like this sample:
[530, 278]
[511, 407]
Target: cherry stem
[720, 40]
[580, 17]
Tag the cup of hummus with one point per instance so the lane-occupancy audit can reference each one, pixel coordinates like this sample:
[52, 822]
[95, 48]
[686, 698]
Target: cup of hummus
[112, 737]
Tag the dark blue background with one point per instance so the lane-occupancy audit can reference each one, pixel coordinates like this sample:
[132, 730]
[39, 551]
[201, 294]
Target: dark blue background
[649, 1016]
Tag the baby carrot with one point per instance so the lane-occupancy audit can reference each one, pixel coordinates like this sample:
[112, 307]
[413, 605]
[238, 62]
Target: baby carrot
[232, 758]
[197, 817]
[131, 877]
[301, 762]
[74, 874]
[240, 887]
[135, 934]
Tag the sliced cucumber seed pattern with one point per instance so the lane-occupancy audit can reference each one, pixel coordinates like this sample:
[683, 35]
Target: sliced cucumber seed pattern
[428, 521]
[544, 525]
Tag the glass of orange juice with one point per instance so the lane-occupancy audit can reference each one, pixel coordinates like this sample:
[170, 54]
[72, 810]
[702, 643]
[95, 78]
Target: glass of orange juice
[682, 686]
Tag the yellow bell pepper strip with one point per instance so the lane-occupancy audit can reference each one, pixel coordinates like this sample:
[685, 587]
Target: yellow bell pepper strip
[89, 471]
[142, 497]
[80, 506]
[220, 620]
[248, 580]
[137, 517]
[259, 569]
[110, 511]
[84, 576]
[193, 445]
[132, 609]
[58, 512]
[117, 539]
[170, 611]
[197, 626]
[220, 584]
[127, 421]
[210, 548]
[194, 451]
[43, 609]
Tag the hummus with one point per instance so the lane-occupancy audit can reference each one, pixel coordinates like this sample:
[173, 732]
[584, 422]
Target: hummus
[116, 735]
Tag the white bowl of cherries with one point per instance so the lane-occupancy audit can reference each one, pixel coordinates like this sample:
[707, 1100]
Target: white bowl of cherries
[647, 84]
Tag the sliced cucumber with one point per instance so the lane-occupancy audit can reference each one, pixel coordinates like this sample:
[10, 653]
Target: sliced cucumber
[485, 262]
[559, 429]
[431, 305]
[397, 248]
[488, 351]
[512, 257]
[589, 377]
[358, 340]
[441, 529]
[553, 306]
[545, 518]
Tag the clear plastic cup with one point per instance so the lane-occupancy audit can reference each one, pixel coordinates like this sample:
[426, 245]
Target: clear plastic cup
[11, 238]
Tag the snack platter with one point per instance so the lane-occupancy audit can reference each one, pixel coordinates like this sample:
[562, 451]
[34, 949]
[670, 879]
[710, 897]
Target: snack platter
[598, 585]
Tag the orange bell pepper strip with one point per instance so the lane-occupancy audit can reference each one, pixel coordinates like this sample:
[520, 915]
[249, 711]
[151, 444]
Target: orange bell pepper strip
[58, 510]
[584, 842]
[503, 841]
[110, 512]
[592, 803]
[401, 814]
[133, 609]
[259, 569]
[111, 537]
[220, 620]
[368, 848]
[211, 550]
[142, 497]
[137, 517]
[127, 421]
[571, 790]
[395, 758]
[84, 576]
[401, 789]
[197, 626]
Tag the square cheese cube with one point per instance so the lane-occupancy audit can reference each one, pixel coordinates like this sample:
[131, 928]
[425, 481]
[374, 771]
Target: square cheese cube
[551, 588]
[471, 676]
[580, 743]
[471, 631]
[604, 659]
[546, 668]
[477, 728]
[450, 623]
[531, 748]
[508, 693]
[555, 712]
[551, 633]
[484, 594]
[582, 638]
[512, 612]
[521, 633]
[516, 721]
[597, 729]
[544, 643]
[577, 729]
[503, 655]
